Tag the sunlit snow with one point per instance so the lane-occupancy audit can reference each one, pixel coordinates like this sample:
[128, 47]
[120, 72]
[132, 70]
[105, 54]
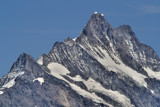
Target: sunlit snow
[40, 79]
[152, 91]
[151, 73]
[1, 92]
[74, 39]
[95, 86]
[95, 12]
[57, 70]
[110, 64]
[40, 60]
[12, 75]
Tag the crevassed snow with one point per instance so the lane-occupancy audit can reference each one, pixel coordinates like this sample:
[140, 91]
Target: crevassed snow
[95, 86]
[1, 92]
[121, 68]
[57, 70]
[151, 73]
[12, 75]
[40, 60]
[40, 79]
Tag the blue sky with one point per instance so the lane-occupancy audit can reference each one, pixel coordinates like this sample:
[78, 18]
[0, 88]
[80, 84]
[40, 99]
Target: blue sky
[33, 26]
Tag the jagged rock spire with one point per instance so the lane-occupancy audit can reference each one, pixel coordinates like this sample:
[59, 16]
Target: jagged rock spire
[97, 25]
[23, 59]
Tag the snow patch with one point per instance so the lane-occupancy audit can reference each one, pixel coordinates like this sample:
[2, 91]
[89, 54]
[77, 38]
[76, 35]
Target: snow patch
[152, 91]
[76, 78]
[121, 68]
[15, 74]
[102, 14]
[110, 64]
[74, 39]
[89, 95]
[12, 75]
[1, 92]
[9, 84]
[40, 79]
[95, 86]
[95, 12]
[58, 70]
[151, 73]
[40, 60]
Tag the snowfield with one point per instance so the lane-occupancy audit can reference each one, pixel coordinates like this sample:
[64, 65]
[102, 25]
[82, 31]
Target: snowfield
[59, 70]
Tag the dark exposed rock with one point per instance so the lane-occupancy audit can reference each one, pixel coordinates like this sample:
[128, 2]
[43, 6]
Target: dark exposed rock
[92, 60]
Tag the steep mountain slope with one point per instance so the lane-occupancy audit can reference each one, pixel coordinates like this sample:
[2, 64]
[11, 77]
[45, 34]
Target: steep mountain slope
[28, 85]
[103, 66]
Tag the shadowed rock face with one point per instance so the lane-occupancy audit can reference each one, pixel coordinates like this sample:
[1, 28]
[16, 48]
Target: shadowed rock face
[28, 93]
[126, 40]
[103, 66]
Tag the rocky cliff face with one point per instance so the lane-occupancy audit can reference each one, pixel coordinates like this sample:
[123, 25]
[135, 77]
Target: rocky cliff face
[103, 66]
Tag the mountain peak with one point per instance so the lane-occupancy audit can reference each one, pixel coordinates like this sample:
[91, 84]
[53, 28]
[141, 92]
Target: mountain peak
[68, 39]
[22, 61]
[98, 14]
[97, 25]
[125, 27]
[103, 66]
[24, 57]
[97, 17]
